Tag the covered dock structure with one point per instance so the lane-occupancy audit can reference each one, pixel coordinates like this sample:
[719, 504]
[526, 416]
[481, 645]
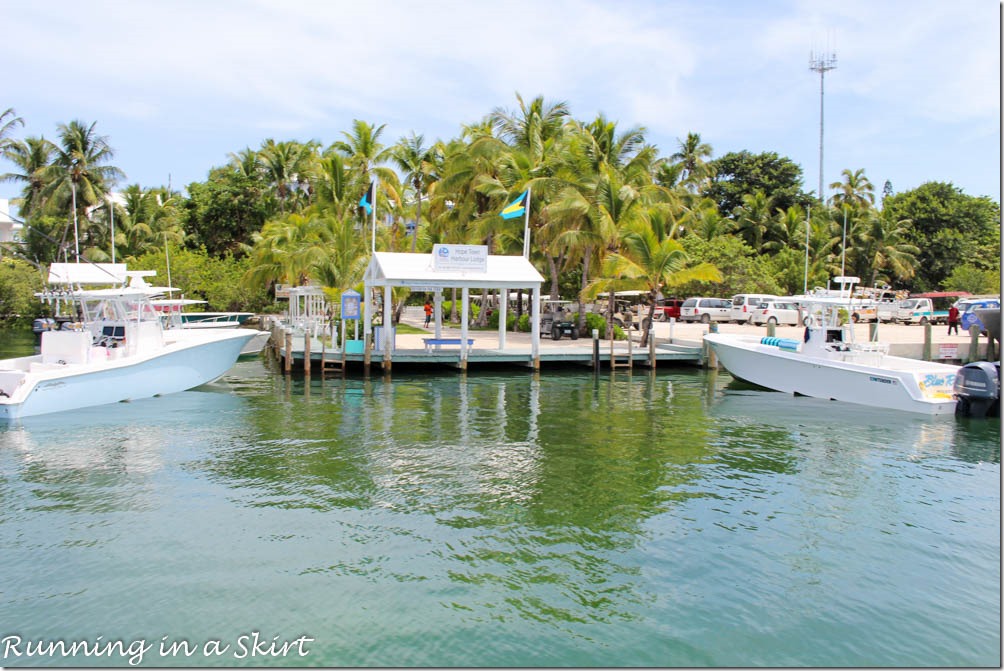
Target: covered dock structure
[463, 267]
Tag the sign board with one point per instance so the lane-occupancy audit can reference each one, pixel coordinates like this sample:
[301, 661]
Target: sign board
[460, 258]
[282, 291]
[350, 304]
[948, 351]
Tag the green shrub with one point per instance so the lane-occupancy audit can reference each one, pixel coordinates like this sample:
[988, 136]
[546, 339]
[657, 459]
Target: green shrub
[19, 281]
[475, 310]
[493, 320]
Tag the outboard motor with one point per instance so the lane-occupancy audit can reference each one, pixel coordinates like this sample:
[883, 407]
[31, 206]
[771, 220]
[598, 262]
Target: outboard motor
[978, 389]
[41, 325]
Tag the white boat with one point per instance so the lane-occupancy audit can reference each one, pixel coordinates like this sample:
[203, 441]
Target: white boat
[116, 350]
[173, 317]
[828, 364]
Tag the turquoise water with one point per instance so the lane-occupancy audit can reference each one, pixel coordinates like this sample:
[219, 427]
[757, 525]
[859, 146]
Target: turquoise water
[500, 519]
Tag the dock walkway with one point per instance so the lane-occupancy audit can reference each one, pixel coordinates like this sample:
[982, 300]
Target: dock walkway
[676, 344]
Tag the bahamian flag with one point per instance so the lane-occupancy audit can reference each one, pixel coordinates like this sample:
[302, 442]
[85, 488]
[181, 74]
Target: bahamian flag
[366, 202]
[516, 208]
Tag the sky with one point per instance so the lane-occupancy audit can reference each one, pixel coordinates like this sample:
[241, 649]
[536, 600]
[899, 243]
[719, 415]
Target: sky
[176, 87]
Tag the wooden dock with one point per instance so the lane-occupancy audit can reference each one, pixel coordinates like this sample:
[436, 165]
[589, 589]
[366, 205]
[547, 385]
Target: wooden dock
[411, 353]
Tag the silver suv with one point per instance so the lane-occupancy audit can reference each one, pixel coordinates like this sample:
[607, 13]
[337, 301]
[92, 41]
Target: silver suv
[706, 310]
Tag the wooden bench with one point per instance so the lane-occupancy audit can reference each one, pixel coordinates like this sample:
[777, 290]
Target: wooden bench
[429, 342]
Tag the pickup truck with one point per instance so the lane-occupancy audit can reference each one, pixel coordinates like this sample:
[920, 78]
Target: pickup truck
[919, 311]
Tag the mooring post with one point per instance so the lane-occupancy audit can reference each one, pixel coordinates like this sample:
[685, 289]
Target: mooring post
[712, 358]
[651, 346]
[974, 343]
[771, 329]
[926, 352]
[630, 348]
[873, 331]
[306, 352]
[596, 350]
[287, 363]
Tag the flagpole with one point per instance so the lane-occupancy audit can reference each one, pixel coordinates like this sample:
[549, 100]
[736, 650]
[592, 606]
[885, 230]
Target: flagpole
[526, 227]
[373, 221]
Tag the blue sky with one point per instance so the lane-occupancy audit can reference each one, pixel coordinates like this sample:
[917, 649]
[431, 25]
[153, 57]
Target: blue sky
[178, 86]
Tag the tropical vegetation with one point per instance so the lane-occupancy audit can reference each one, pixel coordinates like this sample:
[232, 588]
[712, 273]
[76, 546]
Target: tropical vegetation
[608, 211]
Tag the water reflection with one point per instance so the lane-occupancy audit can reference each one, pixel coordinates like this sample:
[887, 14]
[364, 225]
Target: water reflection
[540, 503]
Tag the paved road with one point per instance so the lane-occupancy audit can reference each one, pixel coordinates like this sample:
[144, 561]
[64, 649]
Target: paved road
[692, 333]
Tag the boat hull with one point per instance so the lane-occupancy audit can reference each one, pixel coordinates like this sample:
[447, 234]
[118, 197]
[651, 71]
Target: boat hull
[910, 386]
[186, 363]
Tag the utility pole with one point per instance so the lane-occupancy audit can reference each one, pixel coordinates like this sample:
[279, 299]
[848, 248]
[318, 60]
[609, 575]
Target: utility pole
[821, 63]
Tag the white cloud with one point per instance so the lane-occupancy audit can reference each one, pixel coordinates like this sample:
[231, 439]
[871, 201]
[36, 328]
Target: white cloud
[735, 72]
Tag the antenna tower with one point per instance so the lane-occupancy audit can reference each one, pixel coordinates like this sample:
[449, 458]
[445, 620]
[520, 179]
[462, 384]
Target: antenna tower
[821, 63]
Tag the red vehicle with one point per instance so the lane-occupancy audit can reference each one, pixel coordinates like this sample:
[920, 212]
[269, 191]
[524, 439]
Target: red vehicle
[666, 308]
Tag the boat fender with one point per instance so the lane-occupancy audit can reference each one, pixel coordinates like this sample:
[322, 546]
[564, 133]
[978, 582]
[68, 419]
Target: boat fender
[805, 338]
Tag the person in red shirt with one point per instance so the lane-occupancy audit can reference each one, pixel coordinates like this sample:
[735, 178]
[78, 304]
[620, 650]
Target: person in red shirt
[428, 313]
[953, 320]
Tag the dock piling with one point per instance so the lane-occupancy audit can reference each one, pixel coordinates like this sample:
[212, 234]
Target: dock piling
[651, 347]
[596, 350]
[287, 363]
[974, 343]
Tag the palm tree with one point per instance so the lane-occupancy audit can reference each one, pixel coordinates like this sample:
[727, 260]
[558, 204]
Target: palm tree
[692, 156]
[788, 230]
[336, 193]
[705, 221]
[753, 219]
[647, 263]
[7, 122]
[884, 250]
[856, 191]
[345, 256]
[418, 163]
[287, 166]
[77, 178]
[247, 162]
[31, 156]
[286, 250]
[531, 126]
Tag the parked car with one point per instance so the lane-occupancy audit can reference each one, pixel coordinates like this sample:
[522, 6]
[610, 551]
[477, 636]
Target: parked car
[744, 304]
[705, 310]
[785, 313]
[667, 308]
[967, 316]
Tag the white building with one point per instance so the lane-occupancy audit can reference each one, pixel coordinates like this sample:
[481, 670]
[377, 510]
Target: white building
[10, 231]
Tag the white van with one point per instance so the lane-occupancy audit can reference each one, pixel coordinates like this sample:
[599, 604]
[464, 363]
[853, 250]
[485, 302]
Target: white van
[743, 306]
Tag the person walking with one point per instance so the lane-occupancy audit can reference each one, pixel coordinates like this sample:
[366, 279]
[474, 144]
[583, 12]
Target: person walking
[953, 320]
[428, 313]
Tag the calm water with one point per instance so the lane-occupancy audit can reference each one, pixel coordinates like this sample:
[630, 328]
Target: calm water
[502, 520]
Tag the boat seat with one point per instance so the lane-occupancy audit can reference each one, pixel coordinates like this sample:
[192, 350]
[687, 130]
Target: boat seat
[63, 347]
[10, 380]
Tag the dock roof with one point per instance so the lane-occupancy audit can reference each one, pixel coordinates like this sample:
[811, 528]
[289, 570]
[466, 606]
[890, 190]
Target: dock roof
[416, 270]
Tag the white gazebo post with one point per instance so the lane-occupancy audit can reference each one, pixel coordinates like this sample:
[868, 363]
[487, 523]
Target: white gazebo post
[367, 323]
[367, 311]
[438, 312]
[535, 327]
[503, 304]
[388, 333]
[465, 296]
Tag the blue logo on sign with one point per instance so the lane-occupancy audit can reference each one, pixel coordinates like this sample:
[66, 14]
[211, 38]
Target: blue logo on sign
[444, 251]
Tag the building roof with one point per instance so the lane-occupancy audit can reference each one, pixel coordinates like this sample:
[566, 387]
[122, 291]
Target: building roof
[416, 271]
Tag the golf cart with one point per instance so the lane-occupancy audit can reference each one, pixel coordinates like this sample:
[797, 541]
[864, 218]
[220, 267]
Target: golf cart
[557, 321]
[626, 309]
